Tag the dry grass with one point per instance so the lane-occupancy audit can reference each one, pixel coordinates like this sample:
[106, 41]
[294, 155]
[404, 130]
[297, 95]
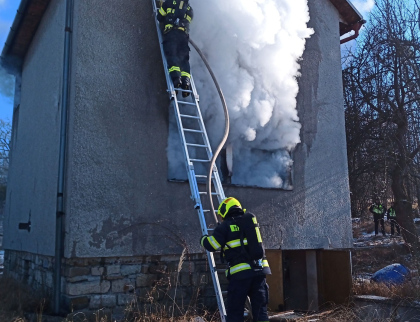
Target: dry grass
[370, 260]
[364, 225]
[408, 291]
[16, 299]
[19, 304]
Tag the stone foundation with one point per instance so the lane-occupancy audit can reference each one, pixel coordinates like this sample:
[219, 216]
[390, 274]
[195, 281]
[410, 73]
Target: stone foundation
[115, 283]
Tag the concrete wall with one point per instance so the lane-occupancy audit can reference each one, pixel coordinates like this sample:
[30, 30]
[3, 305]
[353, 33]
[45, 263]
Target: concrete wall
[119, 202]
[118, 199]
[32, 183]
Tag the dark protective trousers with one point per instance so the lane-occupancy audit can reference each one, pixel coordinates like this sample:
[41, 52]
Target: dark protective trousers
[379, 219]
[177, 52]
[393, 223]
[257, 290]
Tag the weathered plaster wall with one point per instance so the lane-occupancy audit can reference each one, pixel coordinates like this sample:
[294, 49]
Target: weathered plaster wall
[32, 185]
[119, 202]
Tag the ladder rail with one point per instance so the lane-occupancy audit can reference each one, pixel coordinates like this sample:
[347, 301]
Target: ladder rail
[170, 85]
[192, 177]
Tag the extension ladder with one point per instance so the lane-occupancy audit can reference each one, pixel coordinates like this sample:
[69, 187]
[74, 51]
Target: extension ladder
[197, 153]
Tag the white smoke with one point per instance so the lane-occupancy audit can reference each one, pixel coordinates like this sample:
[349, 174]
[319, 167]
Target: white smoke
[364, 6]
[7, 84]
[253, 47]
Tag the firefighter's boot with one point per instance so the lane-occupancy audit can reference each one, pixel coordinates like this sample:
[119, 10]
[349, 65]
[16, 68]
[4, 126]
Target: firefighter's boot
[186, 85]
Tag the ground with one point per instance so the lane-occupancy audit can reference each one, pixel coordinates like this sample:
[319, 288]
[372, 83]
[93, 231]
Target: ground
[369, 254]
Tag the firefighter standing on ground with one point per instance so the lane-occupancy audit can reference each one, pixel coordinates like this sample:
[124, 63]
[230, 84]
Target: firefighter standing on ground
[176, 17]
[391, 216]
[239, 244]
[378, 211]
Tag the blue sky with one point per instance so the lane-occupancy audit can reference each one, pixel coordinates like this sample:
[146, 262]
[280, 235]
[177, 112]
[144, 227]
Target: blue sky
[7, 14]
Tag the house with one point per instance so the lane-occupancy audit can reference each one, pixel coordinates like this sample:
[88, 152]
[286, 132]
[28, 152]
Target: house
[90, 214]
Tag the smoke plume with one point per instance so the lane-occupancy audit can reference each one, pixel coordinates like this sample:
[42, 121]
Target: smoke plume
[364, 6]
[253, 47]
[7, 84]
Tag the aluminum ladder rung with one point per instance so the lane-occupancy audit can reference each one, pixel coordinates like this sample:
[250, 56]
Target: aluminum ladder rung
[192, 130]
[186, 103]
[179, 89]
[203, 176]
[200, 160]
[198, 145]
[205, 193]
[189, 116]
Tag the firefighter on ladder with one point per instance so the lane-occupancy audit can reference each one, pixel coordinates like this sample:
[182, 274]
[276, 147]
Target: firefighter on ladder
[246, 274]
[176, 16]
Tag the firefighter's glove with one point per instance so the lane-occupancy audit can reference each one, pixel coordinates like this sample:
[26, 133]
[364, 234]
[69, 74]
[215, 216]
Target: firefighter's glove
[202, 239]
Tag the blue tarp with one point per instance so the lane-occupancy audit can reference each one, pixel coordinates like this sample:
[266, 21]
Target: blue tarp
[392, 274]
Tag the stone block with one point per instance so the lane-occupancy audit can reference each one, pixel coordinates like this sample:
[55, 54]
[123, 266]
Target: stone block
[127, 270]
[77, 279]
[76, 271]
[146, 280]
[169, 258]
[148, 295]
[49, 281]
[113, 270]
[97, 271]
[122, 285]
[126, 299]
[158, 268]
[92, 287]
[101, 301]
[46, 263]
[200, 279]
[76, 303]
[185, 279]
[188, 266]
[145, 268]
[178, 293]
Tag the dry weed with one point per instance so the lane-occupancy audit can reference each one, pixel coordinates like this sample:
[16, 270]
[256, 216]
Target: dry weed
[16, 299]
[408, 291]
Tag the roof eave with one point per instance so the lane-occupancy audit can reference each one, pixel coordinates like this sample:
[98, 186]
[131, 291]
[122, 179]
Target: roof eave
[24, 27]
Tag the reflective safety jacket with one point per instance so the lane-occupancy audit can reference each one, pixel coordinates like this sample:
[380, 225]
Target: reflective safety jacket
[175, 14]
[391, 213]
[228, 238]
[377, 209]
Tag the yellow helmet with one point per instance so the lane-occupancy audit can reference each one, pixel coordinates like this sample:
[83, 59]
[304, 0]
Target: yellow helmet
[226, 204]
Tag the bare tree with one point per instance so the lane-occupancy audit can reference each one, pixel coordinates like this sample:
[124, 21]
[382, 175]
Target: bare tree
[382, 97]
[5, 137]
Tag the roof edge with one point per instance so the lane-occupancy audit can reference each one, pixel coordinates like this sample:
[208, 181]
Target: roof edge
[15, 27]
[355, 10]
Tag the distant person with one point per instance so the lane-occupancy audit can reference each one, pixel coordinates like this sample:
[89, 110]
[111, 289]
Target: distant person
[176, 16]
[239, 239]
[392, 218]
[378, 211]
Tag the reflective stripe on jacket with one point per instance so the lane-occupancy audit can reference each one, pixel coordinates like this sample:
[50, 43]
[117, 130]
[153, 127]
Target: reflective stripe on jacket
[227, 237]
[391, 212]
[176, 14]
